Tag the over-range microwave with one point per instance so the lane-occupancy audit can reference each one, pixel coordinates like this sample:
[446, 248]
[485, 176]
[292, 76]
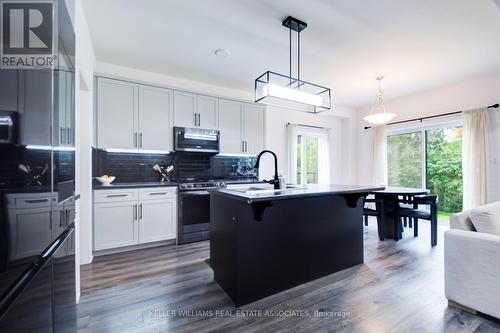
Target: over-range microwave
[8, 127]
[196, 140]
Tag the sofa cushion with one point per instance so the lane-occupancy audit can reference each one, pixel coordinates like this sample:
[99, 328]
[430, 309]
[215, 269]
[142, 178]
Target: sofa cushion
[487, 218]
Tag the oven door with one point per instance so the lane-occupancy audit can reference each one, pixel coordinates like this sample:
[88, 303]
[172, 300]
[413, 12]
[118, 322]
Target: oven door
[196, 140]
[193, 216]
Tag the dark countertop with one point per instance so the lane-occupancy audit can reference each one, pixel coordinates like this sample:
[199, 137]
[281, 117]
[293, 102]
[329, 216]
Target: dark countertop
[96, 186]
[297, 192]
[132, 185]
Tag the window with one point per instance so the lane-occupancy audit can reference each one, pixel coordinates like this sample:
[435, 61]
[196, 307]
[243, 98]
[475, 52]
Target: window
[404, 159]
[307, 159]
[429, 158]
[308, 154]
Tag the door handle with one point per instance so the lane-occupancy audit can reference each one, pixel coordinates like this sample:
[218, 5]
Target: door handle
[135, 139]
[157, 193]
[199, 119]
[68, 135]
[242, 146]
[135, 212]
[246, 146]
[140, 211]
[195, 119]
[62, 136]
[140, 139]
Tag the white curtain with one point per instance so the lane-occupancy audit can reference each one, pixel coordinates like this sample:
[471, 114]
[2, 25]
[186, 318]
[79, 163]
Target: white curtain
[324, 157]
[379, 158]
[291, 136]
[475, 147]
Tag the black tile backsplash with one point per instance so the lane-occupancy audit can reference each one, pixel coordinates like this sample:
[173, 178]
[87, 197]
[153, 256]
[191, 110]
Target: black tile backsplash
[136, 167]
[35, 159]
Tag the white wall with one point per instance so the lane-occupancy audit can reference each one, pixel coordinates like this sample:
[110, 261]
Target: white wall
[276, 140]
[85, 61]
[479, 91]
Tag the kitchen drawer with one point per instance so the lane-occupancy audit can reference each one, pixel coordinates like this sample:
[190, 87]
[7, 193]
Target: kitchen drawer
[146, 194]
[117, 195]
[29, 200]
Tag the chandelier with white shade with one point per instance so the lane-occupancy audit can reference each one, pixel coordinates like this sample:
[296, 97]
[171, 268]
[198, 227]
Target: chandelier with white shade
[377, 115]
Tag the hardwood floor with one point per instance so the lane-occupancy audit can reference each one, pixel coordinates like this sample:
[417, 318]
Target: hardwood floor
[399, 288]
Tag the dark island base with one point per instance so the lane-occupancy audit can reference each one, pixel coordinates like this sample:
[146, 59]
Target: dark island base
[296, 241]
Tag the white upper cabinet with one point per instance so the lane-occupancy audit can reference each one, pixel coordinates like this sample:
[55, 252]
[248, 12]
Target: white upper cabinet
[207, 112]
[133, 116]
[192, 110]
[8, 90]
[35, 107]
[253, 128]
[185, 114]
[117, 114]
[241, 126]
[231, 140]
[155, 125]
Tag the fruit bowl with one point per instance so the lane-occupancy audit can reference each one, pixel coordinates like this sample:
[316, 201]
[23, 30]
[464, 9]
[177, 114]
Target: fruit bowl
[105, 180]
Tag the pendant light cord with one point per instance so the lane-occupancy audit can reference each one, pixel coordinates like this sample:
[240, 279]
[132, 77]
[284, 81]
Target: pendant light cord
[290, 45]
[298, 59]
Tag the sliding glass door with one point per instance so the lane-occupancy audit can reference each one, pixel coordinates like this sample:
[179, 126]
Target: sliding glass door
[430, 158]
[444, 167]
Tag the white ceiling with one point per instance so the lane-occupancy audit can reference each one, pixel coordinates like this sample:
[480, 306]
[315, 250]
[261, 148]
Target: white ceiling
[415, 44]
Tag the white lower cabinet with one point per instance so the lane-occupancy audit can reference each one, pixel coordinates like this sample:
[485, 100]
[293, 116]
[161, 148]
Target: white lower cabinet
[115, 225]
[134, 216]
[29, 223]
[153, 215]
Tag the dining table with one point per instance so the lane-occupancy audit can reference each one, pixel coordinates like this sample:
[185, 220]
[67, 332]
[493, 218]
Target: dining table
[391, 197]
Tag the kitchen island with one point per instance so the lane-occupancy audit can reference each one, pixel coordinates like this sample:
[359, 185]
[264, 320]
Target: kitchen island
[266, 241]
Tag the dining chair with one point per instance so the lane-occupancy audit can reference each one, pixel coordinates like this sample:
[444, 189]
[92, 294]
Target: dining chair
[406, 201]
[417, 213]
[377, 211]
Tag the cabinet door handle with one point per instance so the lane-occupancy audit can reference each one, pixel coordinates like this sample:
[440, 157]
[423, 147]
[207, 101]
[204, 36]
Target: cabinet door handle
[135, 212]
[140, 211]
[157, 193]
[140, 139]
[135, 139]
[195, 119]
[115, 195]
[62, 136]
[199, 119]
[242, 146]
[68, 135]
[246, 146]
[37, 200]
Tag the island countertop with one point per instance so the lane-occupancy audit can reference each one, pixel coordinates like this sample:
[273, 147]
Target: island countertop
[255, 195]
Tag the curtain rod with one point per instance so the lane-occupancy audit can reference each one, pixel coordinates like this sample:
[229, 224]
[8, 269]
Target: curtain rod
[304, 125]
[494, 106]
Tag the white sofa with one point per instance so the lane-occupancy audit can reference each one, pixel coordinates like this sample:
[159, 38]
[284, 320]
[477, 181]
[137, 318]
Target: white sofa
[472, 266]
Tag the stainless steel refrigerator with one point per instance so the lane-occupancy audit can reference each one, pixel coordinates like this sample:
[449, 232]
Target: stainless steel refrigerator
[37, 191]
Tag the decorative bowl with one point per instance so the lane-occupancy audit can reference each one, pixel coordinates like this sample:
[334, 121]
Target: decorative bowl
[105, 180]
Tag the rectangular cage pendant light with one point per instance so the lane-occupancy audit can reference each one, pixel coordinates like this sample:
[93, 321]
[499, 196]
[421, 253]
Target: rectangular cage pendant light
[291, 92]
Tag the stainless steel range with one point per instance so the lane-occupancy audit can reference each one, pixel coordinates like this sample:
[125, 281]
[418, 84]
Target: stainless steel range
[194, 210]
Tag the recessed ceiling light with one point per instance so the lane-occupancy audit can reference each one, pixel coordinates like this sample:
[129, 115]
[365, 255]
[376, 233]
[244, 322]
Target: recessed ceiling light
[221, 53]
